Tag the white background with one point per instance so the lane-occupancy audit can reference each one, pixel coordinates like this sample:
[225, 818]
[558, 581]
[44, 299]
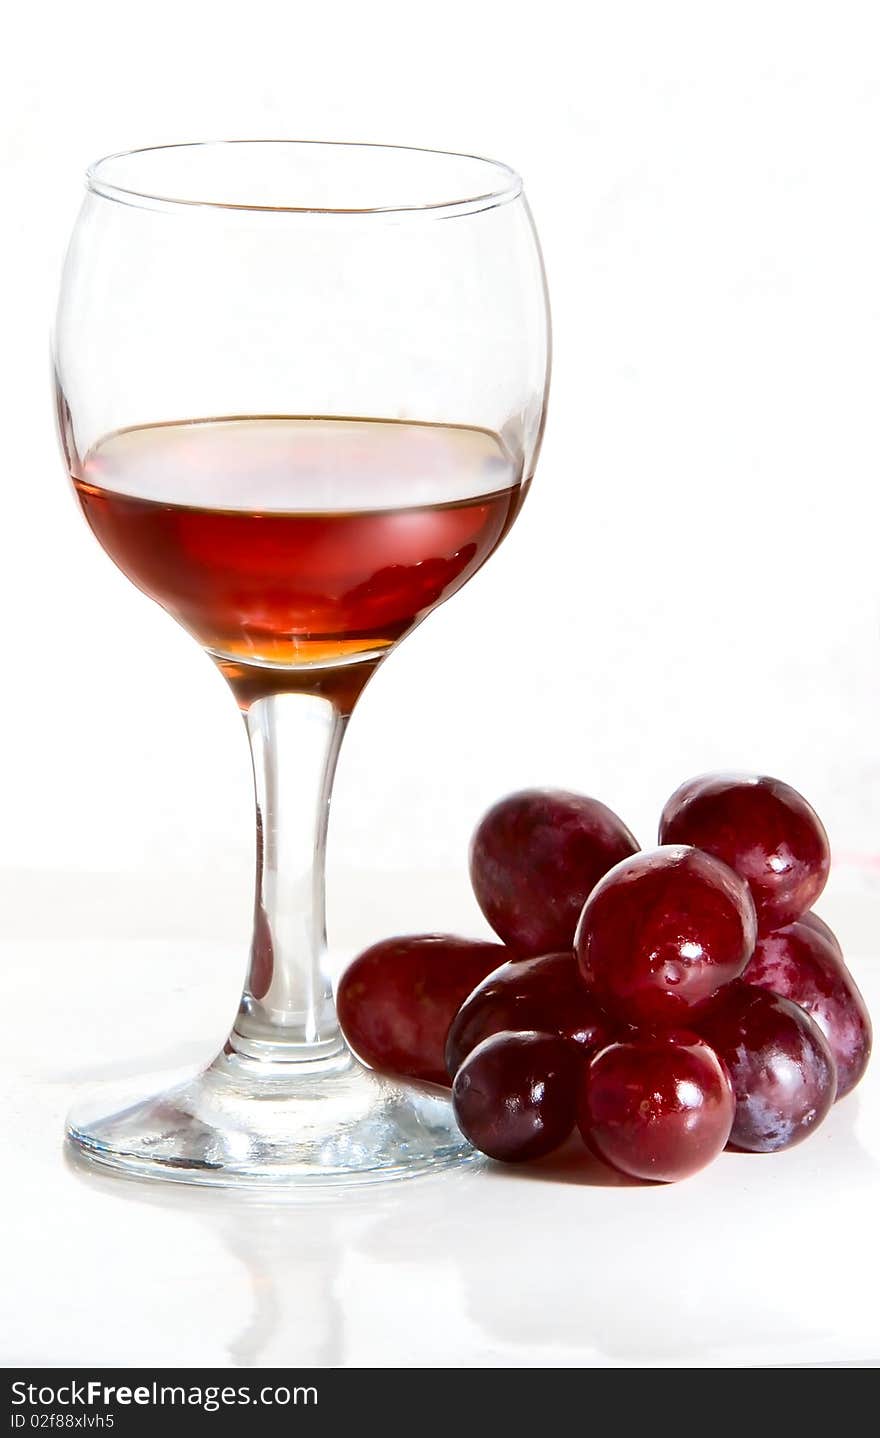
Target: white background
[693, 583]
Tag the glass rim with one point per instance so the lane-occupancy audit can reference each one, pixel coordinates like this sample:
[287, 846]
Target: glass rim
[508, 184]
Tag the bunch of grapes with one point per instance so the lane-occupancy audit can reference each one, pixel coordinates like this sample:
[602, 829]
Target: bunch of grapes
[667, 1003]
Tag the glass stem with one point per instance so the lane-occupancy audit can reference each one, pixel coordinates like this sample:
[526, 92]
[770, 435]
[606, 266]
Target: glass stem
[287, 1012]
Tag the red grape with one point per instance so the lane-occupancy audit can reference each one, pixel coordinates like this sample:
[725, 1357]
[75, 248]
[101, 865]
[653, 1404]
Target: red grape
[514, 1096]
[782, 1069]
[535, 856]
[662, 932]
[545, 994]
[397, 999]
[813, 921]
[659, 1107]
[763, 829]
[803, 963]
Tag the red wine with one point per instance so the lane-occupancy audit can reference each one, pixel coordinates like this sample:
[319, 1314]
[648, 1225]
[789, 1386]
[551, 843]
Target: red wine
[287, 541]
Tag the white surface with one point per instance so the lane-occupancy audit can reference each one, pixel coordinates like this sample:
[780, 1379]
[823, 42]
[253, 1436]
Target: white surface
[758, 1260]
[693, 584]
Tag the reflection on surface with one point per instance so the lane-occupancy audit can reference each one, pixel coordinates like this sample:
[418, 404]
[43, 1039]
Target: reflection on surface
[294, 1251]
[285, 1292]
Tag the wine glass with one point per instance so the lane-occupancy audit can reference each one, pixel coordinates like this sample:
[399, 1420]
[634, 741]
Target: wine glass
[301, 390]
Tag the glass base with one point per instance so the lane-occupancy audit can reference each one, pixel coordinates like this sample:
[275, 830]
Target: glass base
[246, 1123]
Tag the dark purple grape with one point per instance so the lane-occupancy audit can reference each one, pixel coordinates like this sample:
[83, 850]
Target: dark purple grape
[803, 963]
[545, 994]
[514, 1096]
[659, 1107]
[535, 856]
[763, 829]
[780, 1064]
